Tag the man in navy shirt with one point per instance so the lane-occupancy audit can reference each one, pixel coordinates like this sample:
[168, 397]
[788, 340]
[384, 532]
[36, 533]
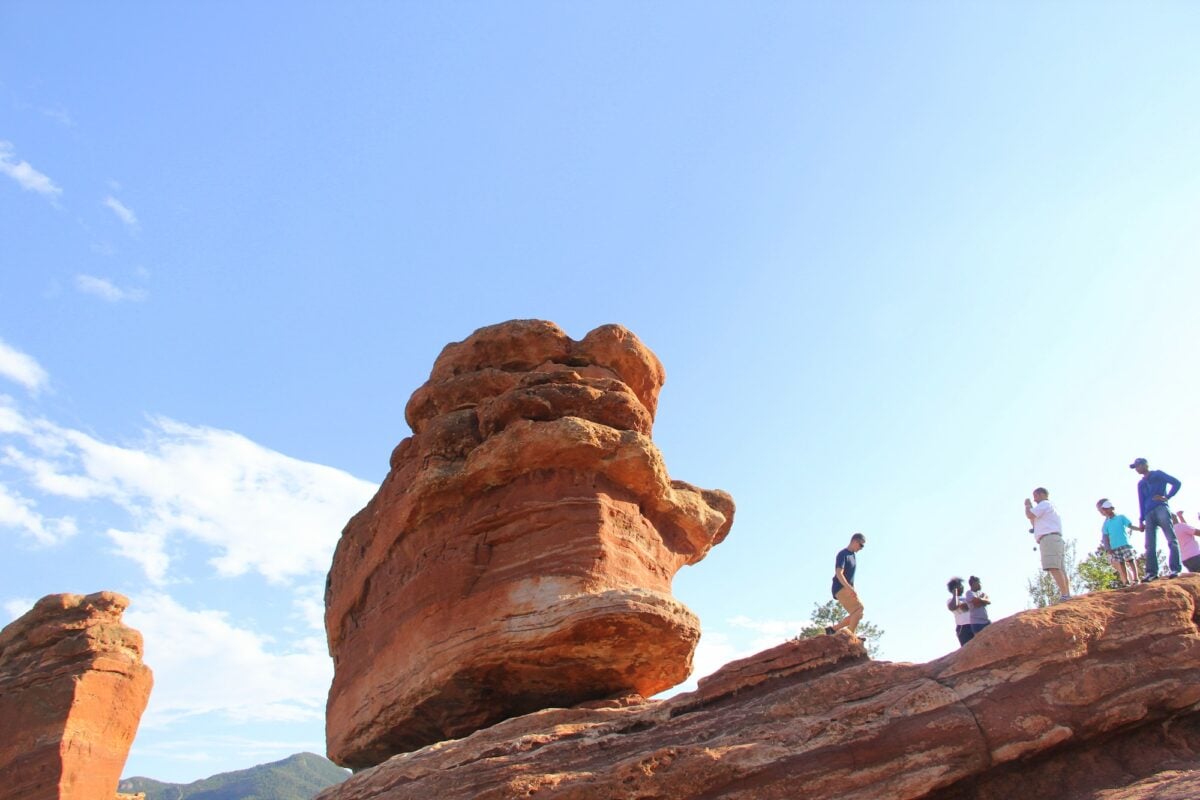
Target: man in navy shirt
[843, 585]
[1153, 497]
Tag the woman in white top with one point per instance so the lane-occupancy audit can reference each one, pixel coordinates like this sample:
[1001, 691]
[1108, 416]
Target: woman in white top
[962, 612]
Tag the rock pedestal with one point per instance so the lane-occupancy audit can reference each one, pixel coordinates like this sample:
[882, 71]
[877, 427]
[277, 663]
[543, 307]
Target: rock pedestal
[72, 691]
[519, 554]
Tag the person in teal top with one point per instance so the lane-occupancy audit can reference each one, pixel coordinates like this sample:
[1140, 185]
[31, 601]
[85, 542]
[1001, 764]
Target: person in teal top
[1115, 542]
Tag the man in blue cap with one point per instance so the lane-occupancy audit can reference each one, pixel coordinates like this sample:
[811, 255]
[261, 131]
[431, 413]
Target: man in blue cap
[1153, 497]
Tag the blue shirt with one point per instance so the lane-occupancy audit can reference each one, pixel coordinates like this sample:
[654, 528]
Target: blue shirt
[1155, 482]
[1114, 529]
[847, 561]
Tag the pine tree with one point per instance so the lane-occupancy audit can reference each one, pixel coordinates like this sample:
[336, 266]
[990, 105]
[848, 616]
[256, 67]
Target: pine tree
[1093, 574]
[831, 613]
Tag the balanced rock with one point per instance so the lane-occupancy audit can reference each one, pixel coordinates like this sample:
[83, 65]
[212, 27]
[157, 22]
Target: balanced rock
[1093, 699]
[519, 555]
[72, 690]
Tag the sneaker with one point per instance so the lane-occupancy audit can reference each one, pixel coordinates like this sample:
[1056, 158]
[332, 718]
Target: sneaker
[1172, 574]
[1062, 598]
[1149, 578]
[829, 631]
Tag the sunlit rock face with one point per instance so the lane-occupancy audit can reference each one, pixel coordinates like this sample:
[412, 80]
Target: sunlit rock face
[519, 554]
[72, 691]
[1093, 699]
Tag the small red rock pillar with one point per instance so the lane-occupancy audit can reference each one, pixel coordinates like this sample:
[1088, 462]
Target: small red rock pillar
[72, 691]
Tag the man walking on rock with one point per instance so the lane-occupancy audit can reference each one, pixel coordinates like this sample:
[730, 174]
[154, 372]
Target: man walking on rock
[843, 585]
[1153, 497]
[1047, 531]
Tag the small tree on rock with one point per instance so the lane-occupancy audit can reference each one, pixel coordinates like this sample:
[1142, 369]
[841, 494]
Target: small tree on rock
[1042, 590]
[1093, 574]
[831, 613]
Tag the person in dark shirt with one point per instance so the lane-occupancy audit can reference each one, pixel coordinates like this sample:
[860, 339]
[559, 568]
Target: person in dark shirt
[978, 601]
[843, 585]
[1152, 498]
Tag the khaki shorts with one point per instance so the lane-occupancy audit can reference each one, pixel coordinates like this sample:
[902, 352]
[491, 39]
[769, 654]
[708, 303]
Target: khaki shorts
[849, 600]
[1052, 549]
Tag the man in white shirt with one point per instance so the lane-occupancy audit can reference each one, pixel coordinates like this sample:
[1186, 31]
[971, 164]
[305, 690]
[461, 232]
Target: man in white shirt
[1047, 530]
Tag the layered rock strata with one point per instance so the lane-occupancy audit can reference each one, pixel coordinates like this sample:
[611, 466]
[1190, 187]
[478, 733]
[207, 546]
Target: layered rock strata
[1095, 698]
[72, 691]
[519, 555]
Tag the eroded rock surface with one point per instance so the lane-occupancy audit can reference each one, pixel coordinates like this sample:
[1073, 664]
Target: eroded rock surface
[519, 555]
[1093, 699]
[72, 691]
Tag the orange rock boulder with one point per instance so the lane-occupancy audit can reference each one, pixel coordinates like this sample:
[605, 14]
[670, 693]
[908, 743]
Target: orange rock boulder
[519, 555]
[72, 690]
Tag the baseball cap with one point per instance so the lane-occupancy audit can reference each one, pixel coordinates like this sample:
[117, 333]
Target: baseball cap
[1106, 504]
[1137, 461]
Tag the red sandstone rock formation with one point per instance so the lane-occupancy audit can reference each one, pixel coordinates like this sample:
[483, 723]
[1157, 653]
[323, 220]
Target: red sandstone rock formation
[72, 690]
[520, 553]
[1096, 699]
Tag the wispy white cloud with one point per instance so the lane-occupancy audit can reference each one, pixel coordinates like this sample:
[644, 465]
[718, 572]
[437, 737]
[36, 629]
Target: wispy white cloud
[22, 368]
[24, 174]
[123, 212]
[763, 634]
[739, 637]
[177, 491]
[20, 513]
[770, 631]
[107, 290]
[11, 420]
[254, 509]
[309, 602]
[43, 471]
[206, 664]
[217, 749]
[17, 607]
[184, 503]
[715, 649]
[59, 115]
[147, 550]
[713, 652]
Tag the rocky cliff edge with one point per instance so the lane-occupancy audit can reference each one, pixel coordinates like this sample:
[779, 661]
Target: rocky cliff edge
[1094, 699]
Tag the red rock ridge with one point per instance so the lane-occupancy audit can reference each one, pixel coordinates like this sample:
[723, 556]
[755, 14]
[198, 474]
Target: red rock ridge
[72, 691]
[1093, 699]
[519, 555]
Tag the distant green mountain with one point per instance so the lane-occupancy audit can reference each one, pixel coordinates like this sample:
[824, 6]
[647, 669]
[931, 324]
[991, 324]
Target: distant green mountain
[298, 777]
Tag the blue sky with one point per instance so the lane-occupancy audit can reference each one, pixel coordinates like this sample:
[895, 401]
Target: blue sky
[903, 263]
